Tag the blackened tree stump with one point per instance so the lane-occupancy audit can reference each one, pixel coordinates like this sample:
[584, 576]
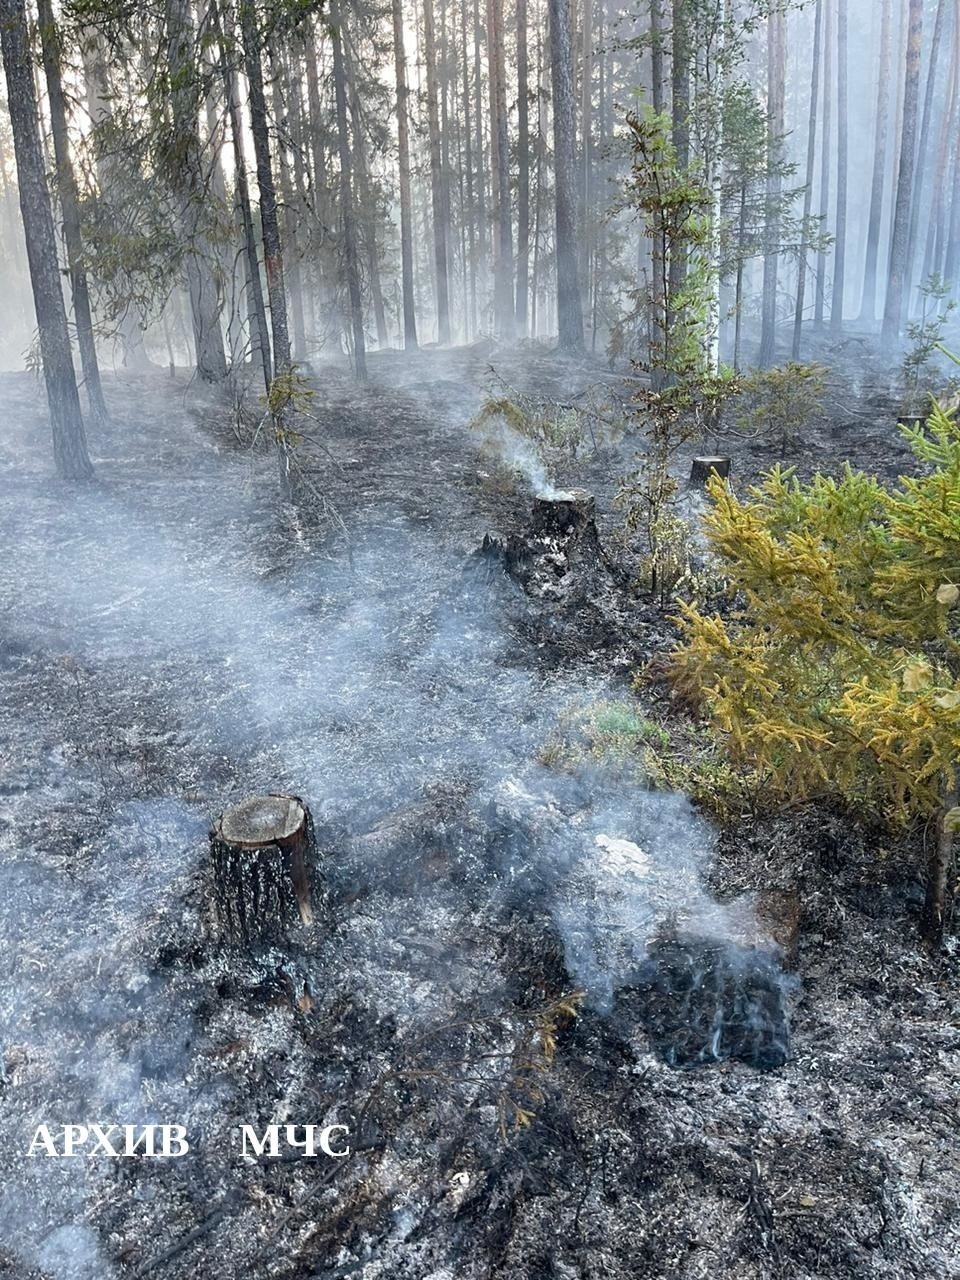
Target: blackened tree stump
[703, 469]
[263, 856]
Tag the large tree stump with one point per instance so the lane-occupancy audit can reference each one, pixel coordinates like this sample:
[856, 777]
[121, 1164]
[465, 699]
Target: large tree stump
[263, 854]
[703, 468]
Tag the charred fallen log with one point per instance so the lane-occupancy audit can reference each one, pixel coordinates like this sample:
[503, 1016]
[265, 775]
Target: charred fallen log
[263, 860]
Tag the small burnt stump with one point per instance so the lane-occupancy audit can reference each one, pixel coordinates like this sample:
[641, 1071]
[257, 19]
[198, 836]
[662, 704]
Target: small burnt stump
[703, 468]
[263, 858]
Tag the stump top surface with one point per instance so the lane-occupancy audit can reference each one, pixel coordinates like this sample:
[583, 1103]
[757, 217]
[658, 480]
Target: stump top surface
[261, 820]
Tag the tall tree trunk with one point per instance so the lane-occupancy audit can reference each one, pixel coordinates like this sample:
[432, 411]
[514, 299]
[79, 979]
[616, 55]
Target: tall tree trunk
[70, 209]
[366, 201]
[868, 302]
[776, 75]
[808, 188]
[523, 169]
[656, 55]
[826, 140]
[469, 162]
[69, 440]
[406, 214]
[900, 240]
[187, 163]
[680, 110]
[478, 117]
[569, 306]
[840, 249]
[586, 157]
[281, 93]
[933, 260]
[437, 179]
[923, 148]
[110, 182]
[272, 246]
[259, 335]
[351, 258]
[504, 308]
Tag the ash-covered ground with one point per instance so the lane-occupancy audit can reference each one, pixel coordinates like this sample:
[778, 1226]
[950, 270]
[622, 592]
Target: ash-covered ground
[173, 640]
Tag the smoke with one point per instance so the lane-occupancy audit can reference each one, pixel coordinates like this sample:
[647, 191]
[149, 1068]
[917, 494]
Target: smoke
[520, 454]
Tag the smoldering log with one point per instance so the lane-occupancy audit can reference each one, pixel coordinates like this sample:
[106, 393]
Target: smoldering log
[703, 468]
[263, 861]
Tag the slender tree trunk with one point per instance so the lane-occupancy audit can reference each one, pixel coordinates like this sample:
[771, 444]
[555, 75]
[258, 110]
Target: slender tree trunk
[478, 117]
[437, 179]
[191, 191]
[406, 214]
[840, 249]
[586, 157]
[569, 306]
[656, 54]
[365, 191]
[504, 307]
[923, 148]
[272, 245]
[826, 140]
[680, 110]
[69, 440]
[776, 69]
[936, 230]
[900, 240]
[351, 258]
[110, 183]
[868, 303]
[523, 169]
[70, 209]
[283, 111]
[469, 161]
[808, 189]
[260, 337]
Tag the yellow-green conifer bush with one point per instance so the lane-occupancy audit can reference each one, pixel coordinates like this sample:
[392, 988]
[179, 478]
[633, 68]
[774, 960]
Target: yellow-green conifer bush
[837, 672]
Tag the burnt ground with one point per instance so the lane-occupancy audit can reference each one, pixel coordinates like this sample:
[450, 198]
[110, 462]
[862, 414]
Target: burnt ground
[173, 639]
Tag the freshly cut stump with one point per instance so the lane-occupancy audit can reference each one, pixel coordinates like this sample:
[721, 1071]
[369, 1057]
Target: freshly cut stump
[703, 468]
[263, 855]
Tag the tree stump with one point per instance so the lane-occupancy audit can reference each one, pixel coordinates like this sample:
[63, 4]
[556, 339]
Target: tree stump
[263, 854]
[703, 468]
[564, 514]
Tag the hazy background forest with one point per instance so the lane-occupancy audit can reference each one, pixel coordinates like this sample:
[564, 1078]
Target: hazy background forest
[412, 148]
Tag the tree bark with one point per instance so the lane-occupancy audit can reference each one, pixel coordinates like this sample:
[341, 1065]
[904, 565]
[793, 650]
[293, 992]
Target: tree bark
[263, 857]
[272, 245]
[893, 312]
[70, 209]
[680, 112]
[406, 214]
[347, 215]
[190, 186]
[503, 294]
[260, 336]
[437, 179]
[523, 170]
[825, 156]
[569, 305]
[923, 148]
[840, 248]
[776, 68]
[69, 440]
[868, 302]
[808, 189]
